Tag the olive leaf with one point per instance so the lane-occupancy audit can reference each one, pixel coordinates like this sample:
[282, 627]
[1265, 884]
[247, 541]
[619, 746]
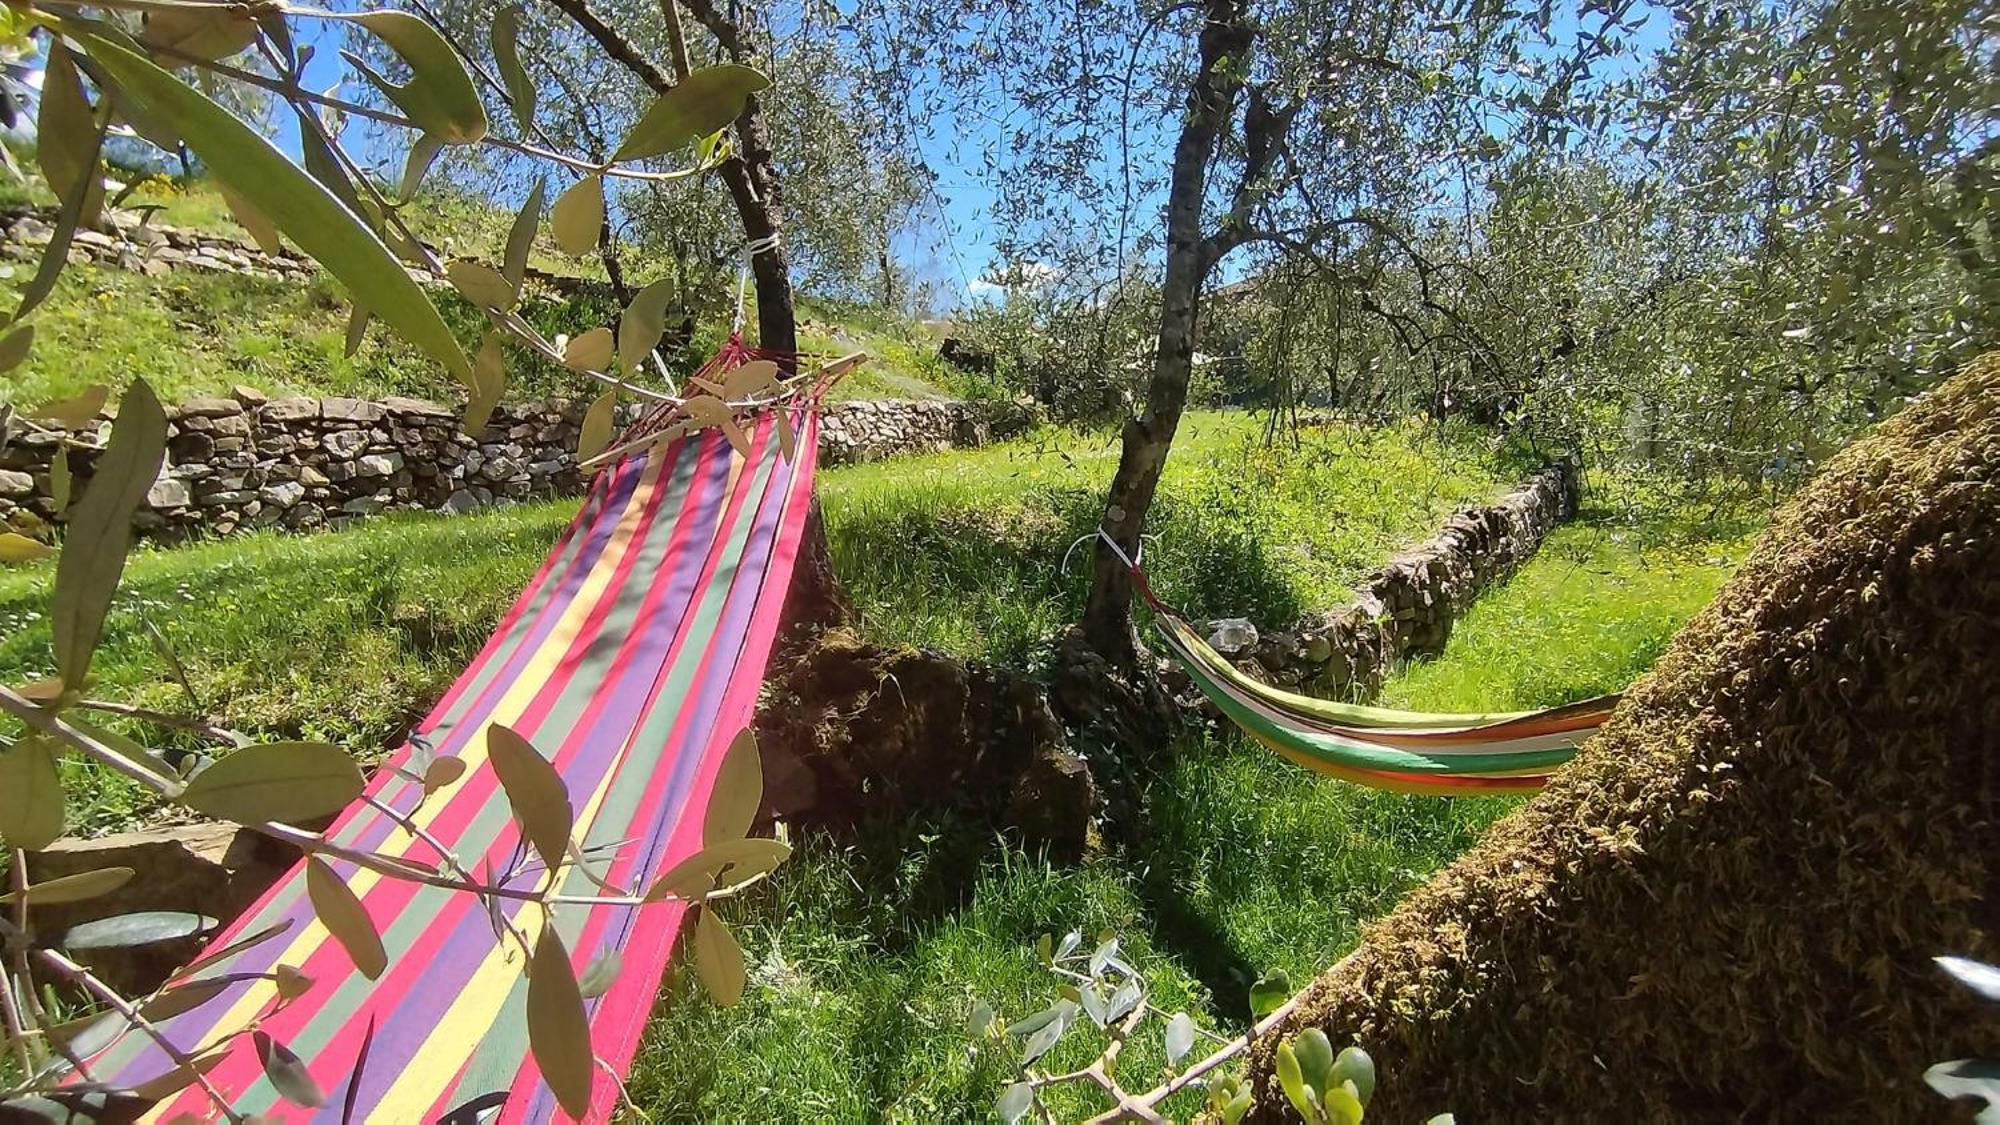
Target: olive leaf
[1180, 1037]
[100, 530]
[738, 791]
[262, 231]
[507, 56]
[345, 918]
[480, 284]
[602, 972]
[595, 434]
[60, 480]
[203, 33]
[979, 1020]
[325, 168]
[423, 153]
[291, 982]
[702, 103]
[15, 347]
[65, 128]
[788, 438]
[578, 215]
[31, 794]
[164, 1086]
[314, 218]
[703, 411]
[534, 790]
[442, 772]
[143, 927]
[590, 351]
[74, 413]
[558, 1028]
[521, 236]
[18, 548]
[287, 1072]
[645, 318]
[741, 859]
[357, 330]
[718, 960]
[79, 887]
[218, 953]
[439, 97]
[77, 205]
[280, 781]
[489, 382]
[1015, 1102]
[186, 997]
[1047, 1030]
[87, 1035]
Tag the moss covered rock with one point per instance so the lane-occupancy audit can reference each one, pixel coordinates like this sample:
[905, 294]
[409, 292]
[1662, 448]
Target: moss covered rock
[1726, 907]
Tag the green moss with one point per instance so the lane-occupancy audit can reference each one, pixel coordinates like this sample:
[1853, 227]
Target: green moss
[1727, 905]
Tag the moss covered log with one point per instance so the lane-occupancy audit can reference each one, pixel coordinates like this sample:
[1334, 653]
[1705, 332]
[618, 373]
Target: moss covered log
[1727, 906]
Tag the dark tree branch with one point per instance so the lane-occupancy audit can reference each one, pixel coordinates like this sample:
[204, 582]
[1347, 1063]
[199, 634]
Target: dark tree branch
[614, 44]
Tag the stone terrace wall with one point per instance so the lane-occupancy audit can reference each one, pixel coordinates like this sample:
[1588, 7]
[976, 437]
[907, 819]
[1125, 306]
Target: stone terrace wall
[245, 462]
[1406, 608]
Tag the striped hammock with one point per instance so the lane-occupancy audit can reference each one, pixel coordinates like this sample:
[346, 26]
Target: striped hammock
[631, 660]
[1406, 751]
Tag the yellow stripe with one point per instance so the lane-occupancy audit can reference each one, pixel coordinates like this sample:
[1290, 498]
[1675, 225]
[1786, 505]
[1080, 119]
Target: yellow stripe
[509, 708]
[1393, 785]
[457, 1036]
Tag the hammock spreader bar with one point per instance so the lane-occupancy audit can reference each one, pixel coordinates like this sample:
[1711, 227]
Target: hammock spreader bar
[1404, 751]
[632, 660]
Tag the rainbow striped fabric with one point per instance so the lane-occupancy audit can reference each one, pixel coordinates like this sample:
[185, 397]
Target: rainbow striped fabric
[632, 660]
[1405, 751]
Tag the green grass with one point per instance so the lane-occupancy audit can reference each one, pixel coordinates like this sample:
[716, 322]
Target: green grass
[865, 967]
[1601, 599]
[964, 551]
[345, 637]
[193, 333]
[867, 952]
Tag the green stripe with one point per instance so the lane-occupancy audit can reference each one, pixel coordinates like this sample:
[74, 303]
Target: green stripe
[1350, 714]
[424, 907]
[1374, 757]
[493, 1065]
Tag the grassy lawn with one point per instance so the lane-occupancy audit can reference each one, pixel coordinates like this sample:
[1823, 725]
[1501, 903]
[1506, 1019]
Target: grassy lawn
[348, 635]
[866, 952]
[964, 551]
[193, 333]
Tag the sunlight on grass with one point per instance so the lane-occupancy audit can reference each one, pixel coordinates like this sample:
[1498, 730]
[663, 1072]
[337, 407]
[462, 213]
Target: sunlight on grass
[964, 551]
[867, 952]
[870, 954]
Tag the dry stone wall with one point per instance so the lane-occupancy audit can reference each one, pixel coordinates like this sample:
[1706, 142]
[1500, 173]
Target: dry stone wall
[1406, 608]
[247, 461]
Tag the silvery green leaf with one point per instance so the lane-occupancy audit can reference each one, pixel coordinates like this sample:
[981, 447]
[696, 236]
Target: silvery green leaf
[1978, 976]
[1015, 1102]
[1125, 999]
[1041, 1041]
[1103, 956]
[1180, 1037]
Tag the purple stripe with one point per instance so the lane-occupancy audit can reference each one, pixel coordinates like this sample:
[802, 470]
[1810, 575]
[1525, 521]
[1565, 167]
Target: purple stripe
[648, 633]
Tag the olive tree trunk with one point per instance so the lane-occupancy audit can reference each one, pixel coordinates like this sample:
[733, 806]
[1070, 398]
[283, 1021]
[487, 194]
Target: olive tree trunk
[1225, 40]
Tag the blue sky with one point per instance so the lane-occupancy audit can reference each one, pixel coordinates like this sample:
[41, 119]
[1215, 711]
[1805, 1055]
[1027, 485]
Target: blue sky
[953, 242]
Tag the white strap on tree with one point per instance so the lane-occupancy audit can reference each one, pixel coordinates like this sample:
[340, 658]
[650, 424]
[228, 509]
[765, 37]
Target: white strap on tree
[750, 250]
[1131, 563]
